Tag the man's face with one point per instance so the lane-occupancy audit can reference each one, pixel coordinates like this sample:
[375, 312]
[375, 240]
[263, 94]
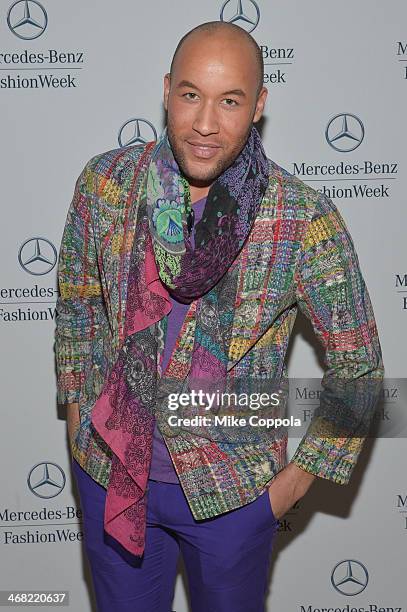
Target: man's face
[211, 101]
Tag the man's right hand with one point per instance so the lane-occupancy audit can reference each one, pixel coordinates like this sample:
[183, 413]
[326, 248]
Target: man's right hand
[72, 419]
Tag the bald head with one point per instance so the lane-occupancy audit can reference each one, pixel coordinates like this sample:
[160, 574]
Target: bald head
[213, 95]
[225, 31]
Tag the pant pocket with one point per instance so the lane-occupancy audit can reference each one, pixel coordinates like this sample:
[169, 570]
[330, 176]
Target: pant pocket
[269, 507]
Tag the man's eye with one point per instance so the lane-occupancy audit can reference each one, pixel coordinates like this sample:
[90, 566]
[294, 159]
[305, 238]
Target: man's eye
[190, 93]
[230, 102]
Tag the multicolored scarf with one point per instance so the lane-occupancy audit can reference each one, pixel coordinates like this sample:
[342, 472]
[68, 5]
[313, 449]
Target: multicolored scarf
[164, 260]
[231, 206]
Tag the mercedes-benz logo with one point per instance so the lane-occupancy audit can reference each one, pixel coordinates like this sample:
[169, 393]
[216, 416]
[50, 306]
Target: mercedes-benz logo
[247, 20]
[28, 21]
[349, 577]
[46, 479]
[344, 132]
[37, 256]
[136, 131]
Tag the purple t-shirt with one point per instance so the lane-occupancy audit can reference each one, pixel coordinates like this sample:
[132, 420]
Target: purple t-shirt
[161, 464]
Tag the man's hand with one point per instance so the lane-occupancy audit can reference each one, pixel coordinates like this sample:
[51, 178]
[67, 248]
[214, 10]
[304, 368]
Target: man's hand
[288, 487]
[72, 419]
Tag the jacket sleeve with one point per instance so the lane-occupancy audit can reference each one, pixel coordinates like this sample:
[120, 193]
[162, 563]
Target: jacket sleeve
[81, 314]
[331, 292]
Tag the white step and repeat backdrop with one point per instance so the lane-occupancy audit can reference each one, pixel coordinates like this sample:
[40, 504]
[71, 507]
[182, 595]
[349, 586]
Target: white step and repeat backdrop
[78, 78]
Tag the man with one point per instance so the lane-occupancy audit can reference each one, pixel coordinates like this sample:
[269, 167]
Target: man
[151, 297]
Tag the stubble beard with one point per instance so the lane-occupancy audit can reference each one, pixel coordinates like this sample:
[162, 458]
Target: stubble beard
[212, 173]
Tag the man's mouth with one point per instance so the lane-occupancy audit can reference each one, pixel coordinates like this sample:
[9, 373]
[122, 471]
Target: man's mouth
[203, 150]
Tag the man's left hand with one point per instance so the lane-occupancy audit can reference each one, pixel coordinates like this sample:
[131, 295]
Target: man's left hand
[288, 487]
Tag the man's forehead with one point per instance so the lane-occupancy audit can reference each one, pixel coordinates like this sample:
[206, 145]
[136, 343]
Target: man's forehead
[215, 48]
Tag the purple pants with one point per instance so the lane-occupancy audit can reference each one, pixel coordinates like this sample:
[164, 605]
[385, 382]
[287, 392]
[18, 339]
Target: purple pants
[226, 557]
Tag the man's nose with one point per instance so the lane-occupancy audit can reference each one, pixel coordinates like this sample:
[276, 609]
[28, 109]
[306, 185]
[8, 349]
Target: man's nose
[206, 120]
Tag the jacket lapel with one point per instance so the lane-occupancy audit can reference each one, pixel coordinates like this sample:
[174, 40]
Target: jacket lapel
[116, 242]
[254, 266]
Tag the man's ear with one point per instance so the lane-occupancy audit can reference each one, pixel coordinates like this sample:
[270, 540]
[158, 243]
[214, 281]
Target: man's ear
[167, 83]
[260, 104]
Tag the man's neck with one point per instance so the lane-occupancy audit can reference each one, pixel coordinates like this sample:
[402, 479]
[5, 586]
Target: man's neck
[197, 193]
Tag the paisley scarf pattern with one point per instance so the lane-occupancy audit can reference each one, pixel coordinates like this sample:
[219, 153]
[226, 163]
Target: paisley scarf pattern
[231, 207]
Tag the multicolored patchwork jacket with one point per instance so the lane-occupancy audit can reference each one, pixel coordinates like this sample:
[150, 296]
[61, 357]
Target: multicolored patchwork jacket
[299, 254]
